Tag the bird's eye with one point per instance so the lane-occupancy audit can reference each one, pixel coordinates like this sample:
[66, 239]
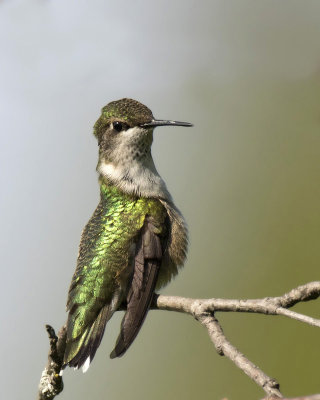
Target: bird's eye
[118, 126]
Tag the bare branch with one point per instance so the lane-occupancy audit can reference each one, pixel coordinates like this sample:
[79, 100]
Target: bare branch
[224, 347]
[203, 310]
[298, 317]
[51, 383]
[268, 305]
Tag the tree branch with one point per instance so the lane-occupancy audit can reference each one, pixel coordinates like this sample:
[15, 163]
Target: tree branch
[203, 310]
[51, 383]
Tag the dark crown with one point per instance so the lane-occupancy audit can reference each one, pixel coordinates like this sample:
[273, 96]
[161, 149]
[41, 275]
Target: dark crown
[129, 111]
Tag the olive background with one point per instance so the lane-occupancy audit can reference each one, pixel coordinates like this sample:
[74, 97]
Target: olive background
[246, 73]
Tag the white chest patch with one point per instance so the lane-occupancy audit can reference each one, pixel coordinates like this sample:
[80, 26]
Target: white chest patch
[109, 170]
[135, 178]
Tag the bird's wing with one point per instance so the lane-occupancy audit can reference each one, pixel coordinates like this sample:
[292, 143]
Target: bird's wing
[93, 295]
[146, 268]
[107, 262]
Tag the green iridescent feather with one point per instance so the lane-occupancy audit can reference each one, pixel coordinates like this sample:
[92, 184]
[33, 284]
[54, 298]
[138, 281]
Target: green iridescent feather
[102, 267]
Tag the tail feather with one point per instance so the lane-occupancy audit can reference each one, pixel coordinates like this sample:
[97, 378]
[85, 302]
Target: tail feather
[80, 351]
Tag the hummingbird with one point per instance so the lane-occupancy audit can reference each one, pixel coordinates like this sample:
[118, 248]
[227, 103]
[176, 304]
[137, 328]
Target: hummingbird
[134, 242]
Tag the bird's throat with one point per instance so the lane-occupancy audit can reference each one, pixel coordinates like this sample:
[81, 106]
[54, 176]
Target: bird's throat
[136, 178]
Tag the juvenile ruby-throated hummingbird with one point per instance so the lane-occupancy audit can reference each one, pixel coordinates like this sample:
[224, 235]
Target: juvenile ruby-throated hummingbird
[135, 240]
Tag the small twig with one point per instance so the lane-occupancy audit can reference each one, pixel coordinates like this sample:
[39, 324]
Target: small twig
[224, 347]
[51, 383]
[299, 317]
[202, 310]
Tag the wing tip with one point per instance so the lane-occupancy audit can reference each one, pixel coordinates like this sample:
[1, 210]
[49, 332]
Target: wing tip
[113, 354]
[116, 352]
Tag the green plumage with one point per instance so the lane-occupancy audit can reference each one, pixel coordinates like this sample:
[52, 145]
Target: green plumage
[135, 240]
[103, 267]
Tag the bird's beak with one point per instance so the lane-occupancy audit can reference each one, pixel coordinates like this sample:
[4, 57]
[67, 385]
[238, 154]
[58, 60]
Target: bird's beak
[162, 122]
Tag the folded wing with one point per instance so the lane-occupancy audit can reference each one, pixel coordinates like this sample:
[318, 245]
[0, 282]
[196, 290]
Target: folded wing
[146, 268]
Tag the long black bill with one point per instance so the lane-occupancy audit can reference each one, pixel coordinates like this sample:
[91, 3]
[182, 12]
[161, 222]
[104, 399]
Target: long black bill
[163, 122]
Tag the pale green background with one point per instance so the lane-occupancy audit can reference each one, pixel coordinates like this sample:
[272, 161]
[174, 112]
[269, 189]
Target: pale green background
[246, 177]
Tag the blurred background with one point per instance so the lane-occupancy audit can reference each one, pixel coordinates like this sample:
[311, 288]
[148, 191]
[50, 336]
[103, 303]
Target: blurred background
[247, 75]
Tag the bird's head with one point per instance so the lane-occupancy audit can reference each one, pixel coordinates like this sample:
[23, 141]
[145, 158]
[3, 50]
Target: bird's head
[125, 131]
